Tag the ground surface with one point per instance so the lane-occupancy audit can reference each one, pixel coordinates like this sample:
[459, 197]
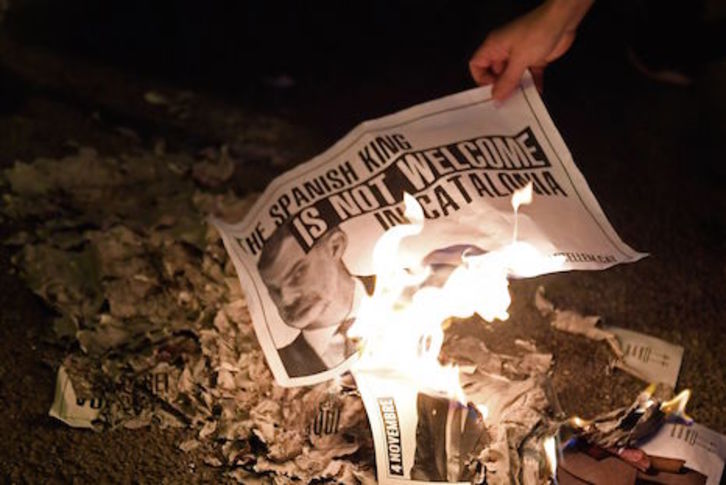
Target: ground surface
[652, 154]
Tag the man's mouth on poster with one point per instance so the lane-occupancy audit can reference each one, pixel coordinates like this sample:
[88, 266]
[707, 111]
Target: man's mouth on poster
[303, 312]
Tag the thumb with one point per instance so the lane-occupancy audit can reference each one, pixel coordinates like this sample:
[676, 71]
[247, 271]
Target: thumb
[509, 79]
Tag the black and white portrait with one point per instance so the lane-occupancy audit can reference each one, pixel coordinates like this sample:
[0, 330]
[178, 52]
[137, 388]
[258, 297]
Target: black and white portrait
[314, 293]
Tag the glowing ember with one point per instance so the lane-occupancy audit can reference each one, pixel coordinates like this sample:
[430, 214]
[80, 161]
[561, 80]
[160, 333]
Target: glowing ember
[400, 326]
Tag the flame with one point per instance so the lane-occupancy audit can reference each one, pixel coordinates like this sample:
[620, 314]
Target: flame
[401, 331]
[579, 423]
[520, 196]
[676, 407]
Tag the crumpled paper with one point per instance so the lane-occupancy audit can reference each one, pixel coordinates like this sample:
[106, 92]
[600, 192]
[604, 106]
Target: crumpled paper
[611, 445]
[627, 426]
[514, 390]
[571, 321]
[120, 251]
[118, 248]
[67, 407]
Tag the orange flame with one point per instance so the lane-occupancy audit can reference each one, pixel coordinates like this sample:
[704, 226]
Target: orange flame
[403, 339]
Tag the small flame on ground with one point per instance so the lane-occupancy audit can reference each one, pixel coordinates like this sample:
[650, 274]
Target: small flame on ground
[402, 336]
[676, 407]
[579, 423]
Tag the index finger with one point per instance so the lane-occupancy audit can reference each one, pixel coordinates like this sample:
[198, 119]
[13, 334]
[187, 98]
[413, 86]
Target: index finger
[481, 75]
[482, 61]
[509, 79]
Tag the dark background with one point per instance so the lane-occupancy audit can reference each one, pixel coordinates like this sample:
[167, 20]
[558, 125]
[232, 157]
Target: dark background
[651, 152]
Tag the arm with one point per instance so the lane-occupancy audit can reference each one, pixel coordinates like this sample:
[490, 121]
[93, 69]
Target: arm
[531, 41]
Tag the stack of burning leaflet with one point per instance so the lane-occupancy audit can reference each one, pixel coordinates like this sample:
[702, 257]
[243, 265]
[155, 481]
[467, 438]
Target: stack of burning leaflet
[161, 334]
[164, 338]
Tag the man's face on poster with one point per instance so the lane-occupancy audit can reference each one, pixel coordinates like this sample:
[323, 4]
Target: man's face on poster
[312, 290]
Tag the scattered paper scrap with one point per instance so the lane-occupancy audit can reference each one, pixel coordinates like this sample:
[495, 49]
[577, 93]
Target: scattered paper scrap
[647, 358]
[572, 321]
[654, 359]
[69, 408]
[702, 449]
[164, 333]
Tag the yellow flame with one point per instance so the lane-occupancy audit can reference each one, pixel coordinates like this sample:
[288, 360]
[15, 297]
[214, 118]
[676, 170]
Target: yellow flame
[677, 406]
[648, 392]
[522, 196]
[579, 423]
[402, 337]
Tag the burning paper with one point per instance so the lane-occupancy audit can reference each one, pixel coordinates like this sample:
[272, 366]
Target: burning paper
[625, 427]
[420, 437]
[304, 252]
[425, 437]
[401, 325]
[652, 441]
[164, 329]
[470, 419]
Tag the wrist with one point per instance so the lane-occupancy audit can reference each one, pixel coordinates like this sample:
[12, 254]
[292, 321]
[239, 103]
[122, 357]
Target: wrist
[567, 13]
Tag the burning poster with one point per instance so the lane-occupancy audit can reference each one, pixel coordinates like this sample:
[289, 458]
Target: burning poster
[476, 434]
[304, 252]
[415, 434]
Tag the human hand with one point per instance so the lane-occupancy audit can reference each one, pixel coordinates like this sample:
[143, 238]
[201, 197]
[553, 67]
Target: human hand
[530, 41]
